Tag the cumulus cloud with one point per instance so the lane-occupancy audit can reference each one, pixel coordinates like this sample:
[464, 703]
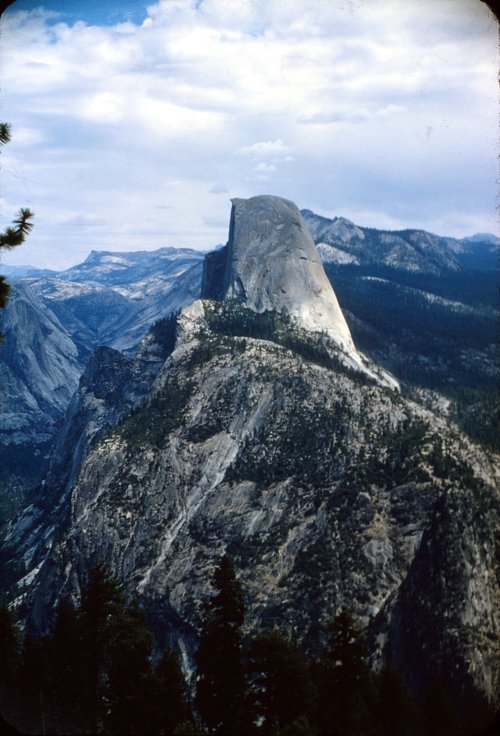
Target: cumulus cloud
[331, 102]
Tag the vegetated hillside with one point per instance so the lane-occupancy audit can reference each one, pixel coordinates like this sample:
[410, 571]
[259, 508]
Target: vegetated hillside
[322, 484]
[424, 306]
[433, 332]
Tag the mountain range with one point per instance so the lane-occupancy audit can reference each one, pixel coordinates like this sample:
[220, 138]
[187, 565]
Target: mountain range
[342, 458]
[423, 306]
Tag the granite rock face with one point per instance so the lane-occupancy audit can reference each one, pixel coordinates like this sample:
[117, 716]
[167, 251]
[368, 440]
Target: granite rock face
[40, 368]
[240, 427]
[331, 488]
[52, 325]
[271, 263]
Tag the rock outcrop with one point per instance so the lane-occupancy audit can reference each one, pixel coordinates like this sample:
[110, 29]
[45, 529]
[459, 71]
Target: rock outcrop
[271, 263]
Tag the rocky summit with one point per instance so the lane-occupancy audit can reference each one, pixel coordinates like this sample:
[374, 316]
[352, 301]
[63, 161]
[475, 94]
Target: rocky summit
[239, 427]
[271, 263]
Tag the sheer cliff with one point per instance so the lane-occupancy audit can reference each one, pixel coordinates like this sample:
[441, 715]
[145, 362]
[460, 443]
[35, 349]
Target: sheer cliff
[271, 263]
[240, 427]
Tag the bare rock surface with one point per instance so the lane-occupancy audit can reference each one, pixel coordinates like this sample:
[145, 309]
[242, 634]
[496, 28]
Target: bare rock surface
[271, 263]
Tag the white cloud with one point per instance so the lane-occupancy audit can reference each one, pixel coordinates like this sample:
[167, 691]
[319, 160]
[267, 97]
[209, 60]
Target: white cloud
[266, 149]
[331, 101]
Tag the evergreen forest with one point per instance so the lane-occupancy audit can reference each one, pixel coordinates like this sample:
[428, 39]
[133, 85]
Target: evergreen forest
[98, 672]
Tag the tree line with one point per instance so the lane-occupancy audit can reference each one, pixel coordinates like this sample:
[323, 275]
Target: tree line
[96, 673]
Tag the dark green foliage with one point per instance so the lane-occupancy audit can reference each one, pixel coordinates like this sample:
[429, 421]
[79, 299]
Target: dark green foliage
[151, 422]
[16, 234]
[5, 133]
[102, 604]
[347, 696]
[9, 663]
[65, 670]
[267, 688]
[232, 318]
[396, 457]
[477, 417]
[397, 712]
[34, 700]
[94, 673]
[164, 332]
[281, 686]
[425, 341]
[221, 694]
[130, 706]
[4, 292]
[169, 688]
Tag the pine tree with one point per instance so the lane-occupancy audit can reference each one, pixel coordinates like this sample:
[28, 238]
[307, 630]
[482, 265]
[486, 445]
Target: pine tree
[66, 671]
[15, 234]
[347, 697]
[9, 665]
[171, 712]
[102, 603]
[34, 699]
[221, 695]
[281, 684]
[129, 674]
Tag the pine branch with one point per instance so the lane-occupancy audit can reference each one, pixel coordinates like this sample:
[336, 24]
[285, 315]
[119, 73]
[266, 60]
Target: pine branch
[22, 223]
[14, 236]
[4, 133]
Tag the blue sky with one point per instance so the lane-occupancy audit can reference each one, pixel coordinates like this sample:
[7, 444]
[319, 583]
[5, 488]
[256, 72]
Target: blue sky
[134, 123]
[93, 12]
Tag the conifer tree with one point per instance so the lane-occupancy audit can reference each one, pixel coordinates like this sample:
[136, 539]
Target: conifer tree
[16, 233]
[34, 699]
[102, 603]
[9, 664]
[66, 673]
[171, 712]
[347, 697]
[129, 674]
[221, 694]
[281, 685]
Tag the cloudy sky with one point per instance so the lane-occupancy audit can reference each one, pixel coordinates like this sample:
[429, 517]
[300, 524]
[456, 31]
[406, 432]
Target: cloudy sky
[135, 123]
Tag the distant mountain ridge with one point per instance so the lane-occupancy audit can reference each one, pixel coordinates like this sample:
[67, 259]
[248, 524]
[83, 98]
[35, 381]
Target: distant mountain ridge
[338, 230]
[410, 249]
[112, 298]
[53, 324]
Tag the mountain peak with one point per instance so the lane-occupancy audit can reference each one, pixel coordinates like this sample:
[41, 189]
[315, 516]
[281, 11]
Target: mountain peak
[270, 262]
